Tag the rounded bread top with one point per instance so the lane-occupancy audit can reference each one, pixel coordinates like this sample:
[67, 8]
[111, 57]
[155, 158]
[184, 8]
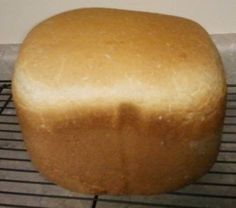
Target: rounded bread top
[97, 55]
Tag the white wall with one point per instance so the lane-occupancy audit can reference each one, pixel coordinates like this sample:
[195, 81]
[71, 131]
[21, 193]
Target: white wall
[17, 17]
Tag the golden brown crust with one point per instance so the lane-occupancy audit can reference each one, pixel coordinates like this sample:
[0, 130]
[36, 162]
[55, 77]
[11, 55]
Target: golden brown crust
[120, 102]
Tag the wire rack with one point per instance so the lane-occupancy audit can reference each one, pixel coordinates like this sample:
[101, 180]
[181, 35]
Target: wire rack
[22, 186]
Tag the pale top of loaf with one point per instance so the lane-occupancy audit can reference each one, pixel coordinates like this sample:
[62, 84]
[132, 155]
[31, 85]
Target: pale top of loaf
[102, 56]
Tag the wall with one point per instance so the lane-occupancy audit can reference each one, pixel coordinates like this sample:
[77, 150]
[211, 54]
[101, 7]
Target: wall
[17, 17]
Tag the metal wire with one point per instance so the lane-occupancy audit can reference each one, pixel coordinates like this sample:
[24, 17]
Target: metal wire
[216, 189]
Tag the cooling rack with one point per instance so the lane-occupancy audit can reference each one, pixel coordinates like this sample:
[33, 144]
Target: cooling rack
[22, 186]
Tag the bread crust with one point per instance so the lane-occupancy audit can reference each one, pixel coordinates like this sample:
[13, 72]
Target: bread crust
[120, 102]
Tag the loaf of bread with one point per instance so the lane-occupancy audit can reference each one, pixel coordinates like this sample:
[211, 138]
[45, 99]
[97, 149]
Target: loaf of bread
[120, 102]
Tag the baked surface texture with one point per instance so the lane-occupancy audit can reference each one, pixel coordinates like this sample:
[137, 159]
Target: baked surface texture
[120, 102]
